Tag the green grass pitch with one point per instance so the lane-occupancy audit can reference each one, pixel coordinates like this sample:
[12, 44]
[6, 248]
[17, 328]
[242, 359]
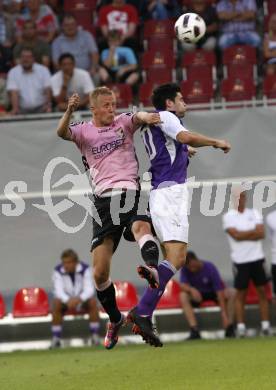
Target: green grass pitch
[247, 364]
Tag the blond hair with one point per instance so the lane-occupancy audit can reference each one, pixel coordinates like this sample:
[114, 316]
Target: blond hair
[99, 92]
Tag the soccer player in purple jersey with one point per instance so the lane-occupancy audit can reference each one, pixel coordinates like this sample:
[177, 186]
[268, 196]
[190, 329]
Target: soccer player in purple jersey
[106, 144]
[166, 145]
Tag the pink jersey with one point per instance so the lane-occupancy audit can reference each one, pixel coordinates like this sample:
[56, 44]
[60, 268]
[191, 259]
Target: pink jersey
[109, 152]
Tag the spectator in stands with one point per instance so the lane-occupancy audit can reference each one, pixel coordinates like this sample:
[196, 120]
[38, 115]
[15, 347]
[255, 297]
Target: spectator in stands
[73, 291]
[80, 43]
[122, 17]
[270, 46]
[69, 80]
[237, 23]
[119, 62]
[159, 9]
[271, 224]
[209, 14]
[42, 16]
[30, 40]
[200, 281]
[245, 231]
[7, 36]
[29, 86]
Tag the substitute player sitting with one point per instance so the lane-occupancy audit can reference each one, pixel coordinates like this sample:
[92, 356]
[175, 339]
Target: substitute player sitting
[166, 144]
[106, 144]
[200, 282]
[73, 291]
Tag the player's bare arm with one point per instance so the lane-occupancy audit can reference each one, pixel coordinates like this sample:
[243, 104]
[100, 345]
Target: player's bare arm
[63, 126]
[146, 118]
[198, 140]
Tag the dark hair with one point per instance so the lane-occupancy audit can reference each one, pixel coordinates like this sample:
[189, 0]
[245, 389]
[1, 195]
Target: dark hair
[191, 256]
[163, 92]
[69, 253]
[29, 49]
[68, 16]
[65, 56]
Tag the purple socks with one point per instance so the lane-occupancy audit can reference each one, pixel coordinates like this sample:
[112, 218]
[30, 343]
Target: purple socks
[151, 297]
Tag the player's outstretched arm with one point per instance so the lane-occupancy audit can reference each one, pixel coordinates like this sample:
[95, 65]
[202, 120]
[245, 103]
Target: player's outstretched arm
[146, 118]
[198, 140]
[63, 126]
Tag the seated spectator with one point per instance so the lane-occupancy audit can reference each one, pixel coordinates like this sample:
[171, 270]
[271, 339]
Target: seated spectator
[119, 62]
[7, 36]
[29, 86]
[122, 17]
[270, 46]
[69, 80]
[237, 23]
[78, 42]
[209, 15]
[42, 16]
[73, 291]
[40, 48]
[201, 281]
[159, 9]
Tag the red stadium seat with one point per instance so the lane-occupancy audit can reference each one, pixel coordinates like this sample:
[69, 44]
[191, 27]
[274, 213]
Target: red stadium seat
[197, 91]
[236, 89]
[159, 76]
[83, 18]
[271, 7]
[161, 44]
[240, 61]
[75, 5]
[158, 29]
[171, 297]
[252, 296]
[145, 92]
[269, 87]
[208, 304]
[123, 93]
[30, 302]
[2, 307]
[199, 64]
[158, 60]
[126, 295]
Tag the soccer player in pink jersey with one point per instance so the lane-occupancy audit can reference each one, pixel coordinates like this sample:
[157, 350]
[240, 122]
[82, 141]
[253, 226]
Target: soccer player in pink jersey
[106, 144]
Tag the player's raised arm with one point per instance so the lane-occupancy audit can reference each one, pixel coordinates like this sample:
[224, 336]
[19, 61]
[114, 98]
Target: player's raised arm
[146, 118]
[198, 140]
[63, 126]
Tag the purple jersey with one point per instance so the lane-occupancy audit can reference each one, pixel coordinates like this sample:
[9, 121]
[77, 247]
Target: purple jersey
[168, 157]
[207, 280]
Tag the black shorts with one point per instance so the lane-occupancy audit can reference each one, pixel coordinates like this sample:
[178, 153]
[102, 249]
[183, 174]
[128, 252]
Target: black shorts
[254, 271]
[208, 296]
[273, 273]
[112, 223]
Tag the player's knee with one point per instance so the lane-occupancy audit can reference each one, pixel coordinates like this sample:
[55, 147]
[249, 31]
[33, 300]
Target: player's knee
[261, 293]
[140, 228]
[92, 304]
[100, 276]
[185, 298]
[57, 306]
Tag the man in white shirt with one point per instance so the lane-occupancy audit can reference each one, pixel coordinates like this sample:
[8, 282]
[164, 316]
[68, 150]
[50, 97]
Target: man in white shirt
[271, 224]
[29, 86]
[245, 231]
[69, 80]
[73, 293]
